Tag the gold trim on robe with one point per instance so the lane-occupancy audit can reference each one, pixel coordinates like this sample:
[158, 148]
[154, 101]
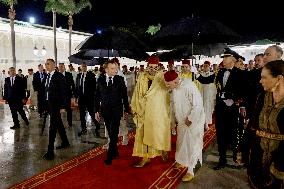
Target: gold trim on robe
[151, 110]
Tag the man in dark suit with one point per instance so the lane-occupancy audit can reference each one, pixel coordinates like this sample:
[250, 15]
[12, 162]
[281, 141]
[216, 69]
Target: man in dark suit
[111, 98]
[70, 91]
[15, 96]
[38, 84]
[85, 95]
[230, 100]
[55, 96]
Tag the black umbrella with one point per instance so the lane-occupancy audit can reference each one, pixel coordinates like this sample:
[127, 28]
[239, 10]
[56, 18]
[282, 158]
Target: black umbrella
[86, 57]
[183, 52]
[194, 30]
[112, 39]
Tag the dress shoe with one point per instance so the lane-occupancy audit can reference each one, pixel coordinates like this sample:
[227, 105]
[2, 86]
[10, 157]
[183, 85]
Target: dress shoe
[219, 166]
[187, 177]
[108, 161]
[62, 146]
[15, 127]
[142, 163]
[27, 122]
[83, 132]
[177, 165]
[48, 156]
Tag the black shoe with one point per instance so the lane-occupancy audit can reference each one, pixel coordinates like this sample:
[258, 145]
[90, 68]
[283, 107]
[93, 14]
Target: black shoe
[62, 146]
[27, 123]
[15, 127]
[48, 156]
[108, 161]
[219, 166]
[83, 132]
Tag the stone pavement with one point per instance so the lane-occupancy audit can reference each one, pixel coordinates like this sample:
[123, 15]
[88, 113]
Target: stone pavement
[21, 153]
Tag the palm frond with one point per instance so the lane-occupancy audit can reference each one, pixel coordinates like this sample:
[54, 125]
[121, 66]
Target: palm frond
[9, 2]
[81, 5]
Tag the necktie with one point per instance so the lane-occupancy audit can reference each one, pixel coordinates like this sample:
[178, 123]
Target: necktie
[82, 82]
[109, 81]
[46, 86]
[12, 80]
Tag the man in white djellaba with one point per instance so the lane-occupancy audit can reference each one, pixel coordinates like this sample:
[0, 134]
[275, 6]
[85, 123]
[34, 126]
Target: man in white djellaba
[208, 92]
[189, 113]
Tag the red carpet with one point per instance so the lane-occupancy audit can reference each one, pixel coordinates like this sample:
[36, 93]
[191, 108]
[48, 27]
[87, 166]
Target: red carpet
[89, 171]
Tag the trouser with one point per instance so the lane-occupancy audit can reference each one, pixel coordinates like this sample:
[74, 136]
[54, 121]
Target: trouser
[15, 107]
[56, 124]
[89, 106]
[112, 122]
[226, 128]
[40, 102]
[69, 112]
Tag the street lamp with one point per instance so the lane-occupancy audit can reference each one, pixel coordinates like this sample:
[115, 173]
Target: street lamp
[32, 20]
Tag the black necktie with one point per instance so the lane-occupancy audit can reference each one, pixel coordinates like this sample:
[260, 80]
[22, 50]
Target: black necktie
[109, 81]
[47, 86]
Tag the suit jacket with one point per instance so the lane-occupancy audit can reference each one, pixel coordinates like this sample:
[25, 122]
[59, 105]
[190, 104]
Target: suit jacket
[17, 92]
[235, 87]
[111, 99]
[89, 88]
[57, 92]
[38, 84]
[70, 84]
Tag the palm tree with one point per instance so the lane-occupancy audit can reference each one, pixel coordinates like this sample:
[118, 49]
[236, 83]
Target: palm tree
[11, 15]
[54, 6]
[70, 8]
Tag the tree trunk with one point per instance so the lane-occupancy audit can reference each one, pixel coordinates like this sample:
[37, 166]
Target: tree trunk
[12, 15]
[70, 24]
[54, 36]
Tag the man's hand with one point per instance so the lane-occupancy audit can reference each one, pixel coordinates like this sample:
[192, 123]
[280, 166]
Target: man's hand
[62, 110]
[97, 116]
[243, 112]
[187, 122]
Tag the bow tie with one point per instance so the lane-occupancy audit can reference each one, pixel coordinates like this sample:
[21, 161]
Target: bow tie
[229, 70]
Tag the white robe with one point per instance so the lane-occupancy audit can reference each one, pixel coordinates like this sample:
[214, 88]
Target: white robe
[187, 103]
[208, 93]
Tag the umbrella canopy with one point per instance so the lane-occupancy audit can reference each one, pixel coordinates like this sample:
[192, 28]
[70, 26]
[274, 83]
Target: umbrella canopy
[183, 52]
[86, 57]
[194, 30]
[112, 39]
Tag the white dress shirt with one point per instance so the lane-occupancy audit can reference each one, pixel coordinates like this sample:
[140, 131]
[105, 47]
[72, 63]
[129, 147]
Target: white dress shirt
[48, 82]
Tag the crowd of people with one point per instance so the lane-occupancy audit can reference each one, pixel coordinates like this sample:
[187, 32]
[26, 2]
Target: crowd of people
[246, 100]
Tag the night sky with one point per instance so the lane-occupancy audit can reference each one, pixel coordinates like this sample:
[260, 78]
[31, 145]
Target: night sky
[251, 20]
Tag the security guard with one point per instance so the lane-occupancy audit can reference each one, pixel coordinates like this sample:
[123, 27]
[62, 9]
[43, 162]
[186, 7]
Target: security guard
[229, 103]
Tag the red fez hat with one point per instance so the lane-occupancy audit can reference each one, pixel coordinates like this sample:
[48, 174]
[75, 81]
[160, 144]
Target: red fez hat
[171, 62]
[185, 61]
[170, 75]
[207, 62]
[153, 60]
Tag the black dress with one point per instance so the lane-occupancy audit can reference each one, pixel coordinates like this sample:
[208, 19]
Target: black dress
[266, 161]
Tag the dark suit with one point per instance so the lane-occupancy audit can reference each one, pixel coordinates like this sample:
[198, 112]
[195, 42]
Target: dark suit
[70, 92]
[38, 84]
[227, 116]
[14, 95]
[56, 93]
[111, 99]
[85, 92]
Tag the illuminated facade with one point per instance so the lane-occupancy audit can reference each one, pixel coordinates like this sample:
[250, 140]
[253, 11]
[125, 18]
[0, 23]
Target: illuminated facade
[30, 35]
